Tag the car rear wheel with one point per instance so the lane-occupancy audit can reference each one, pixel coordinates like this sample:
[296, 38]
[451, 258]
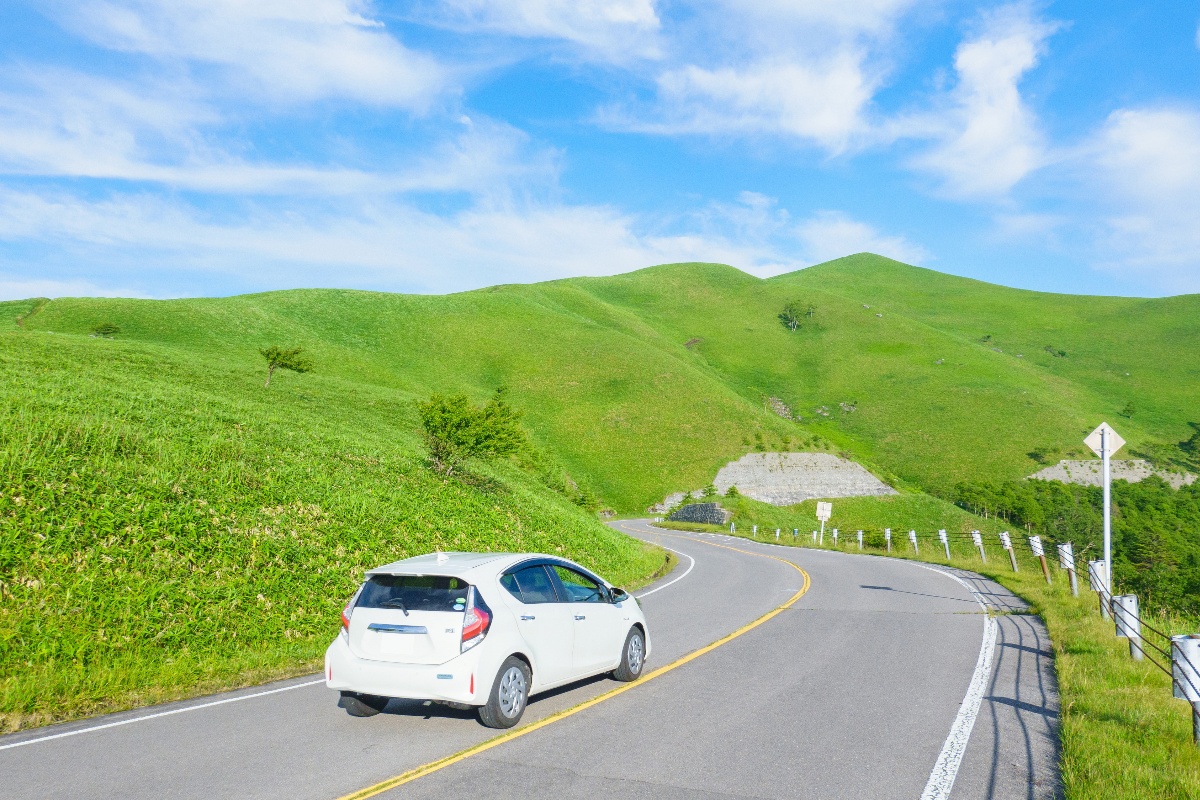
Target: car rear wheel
[510, 695]
[633, 656]
[362, 705]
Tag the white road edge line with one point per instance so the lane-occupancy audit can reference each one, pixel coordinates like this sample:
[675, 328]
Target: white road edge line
[945, 770]
[159, 714]
[677, 580]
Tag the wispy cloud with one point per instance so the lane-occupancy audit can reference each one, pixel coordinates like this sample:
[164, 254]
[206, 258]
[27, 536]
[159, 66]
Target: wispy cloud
[1148, 162]
[280, 50]
[608, 30]
[987, 137]
[832, 234]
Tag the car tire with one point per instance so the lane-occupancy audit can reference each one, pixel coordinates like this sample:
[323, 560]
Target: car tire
[633, 656]
[509, 697]
[362, 705]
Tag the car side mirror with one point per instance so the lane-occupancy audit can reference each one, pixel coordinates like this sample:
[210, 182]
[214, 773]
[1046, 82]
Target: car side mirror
[619, 595]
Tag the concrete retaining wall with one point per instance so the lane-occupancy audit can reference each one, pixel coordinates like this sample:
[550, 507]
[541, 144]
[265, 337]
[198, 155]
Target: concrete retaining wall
[1087, 473]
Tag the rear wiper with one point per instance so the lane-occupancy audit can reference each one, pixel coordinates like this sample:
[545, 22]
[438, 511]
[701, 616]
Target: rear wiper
[395, 602]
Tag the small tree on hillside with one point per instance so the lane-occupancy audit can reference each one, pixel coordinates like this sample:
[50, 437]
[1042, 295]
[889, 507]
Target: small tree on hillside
[456, 430]
[791, 316]
[284, 358]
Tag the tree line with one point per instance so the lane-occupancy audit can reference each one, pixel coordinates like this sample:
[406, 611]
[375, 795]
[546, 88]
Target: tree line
[1156, 529]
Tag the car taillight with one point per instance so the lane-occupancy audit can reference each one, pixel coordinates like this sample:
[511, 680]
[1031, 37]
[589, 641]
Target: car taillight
[346, 612]
[476, 621]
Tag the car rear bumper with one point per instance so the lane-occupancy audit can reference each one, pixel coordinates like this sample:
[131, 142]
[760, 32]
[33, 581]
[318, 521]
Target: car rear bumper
[458, 680]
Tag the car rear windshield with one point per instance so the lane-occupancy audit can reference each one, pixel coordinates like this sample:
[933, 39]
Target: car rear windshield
[414, 593]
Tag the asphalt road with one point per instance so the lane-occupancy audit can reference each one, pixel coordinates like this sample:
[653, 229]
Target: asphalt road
[852, 692]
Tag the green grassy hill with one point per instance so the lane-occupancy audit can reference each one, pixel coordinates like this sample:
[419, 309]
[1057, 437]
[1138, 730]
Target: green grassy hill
[647, 382]
[166, 522]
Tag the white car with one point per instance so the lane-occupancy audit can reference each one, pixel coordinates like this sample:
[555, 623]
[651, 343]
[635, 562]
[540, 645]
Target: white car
[486, 630]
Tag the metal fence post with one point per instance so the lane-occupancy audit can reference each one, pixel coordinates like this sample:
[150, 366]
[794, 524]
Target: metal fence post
[1185, 672]
[1066, 560]
[1129, 625]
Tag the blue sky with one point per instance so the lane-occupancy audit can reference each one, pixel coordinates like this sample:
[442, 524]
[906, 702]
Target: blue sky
[167, 148]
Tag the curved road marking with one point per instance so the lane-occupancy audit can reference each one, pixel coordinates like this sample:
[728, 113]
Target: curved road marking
[945, 769]
[78, 731]
[677, 580]
[427, 769]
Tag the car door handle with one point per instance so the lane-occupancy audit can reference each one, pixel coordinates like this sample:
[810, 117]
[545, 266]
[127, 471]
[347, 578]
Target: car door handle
[528, 616]
[580, 617]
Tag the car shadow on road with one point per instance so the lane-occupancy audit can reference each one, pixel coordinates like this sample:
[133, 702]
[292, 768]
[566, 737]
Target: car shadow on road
[427, 709]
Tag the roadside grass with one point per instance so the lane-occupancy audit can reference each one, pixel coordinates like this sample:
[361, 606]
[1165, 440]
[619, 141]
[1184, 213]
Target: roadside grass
[1123, 735]
[168, 527]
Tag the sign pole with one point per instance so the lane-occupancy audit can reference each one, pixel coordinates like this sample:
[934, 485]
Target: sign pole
[1105, 456]
[1104, 441]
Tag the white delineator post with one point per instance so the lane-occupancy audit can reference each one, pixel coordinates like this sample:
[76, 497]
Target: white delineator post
[1007, 543]
[1104, 441]
[912, 537]
[777, 534]
[1185, 670]
[887, 534]
[860, 540]
[835, 537]
[754, 531]
[732, 527]
[945, 542]
[1035, 542]
[1129, 625]
[1066, 560]
[977, 537]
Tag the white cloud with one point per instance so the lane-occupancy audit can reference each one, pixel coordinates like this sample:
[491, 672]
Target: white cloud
[59, 123]
[611, 29]
[821, 102]
[382, 244]
[282, 50]
[804, 71]
[1148, 163]
[831, 234]
[23, 288]
[989, 138]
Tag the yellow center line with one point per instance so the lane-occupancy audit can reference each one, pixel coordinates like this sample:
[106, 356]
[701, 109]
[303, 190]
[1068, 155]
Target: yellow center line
[434, 766]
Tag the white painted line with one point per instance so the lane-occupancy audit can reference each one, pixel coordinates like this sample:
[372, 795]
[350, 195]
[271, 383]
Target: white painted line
[945, 770]
[677, 580]
[132, 720]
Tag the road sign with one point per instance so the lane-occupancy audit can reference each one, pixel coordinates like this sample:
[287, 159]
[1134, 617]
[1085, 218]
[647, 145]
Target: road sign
[1096, 437]
[824, 511]
[1104, 441]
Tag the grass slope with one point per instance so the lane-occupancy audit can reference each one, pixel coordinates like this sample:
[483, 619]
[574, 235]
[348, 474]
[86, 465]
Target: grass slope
[167, 526]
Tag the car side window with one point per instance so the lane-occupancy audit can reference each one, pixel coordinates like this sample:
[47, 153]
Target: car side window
[580, 588]
[530, 585]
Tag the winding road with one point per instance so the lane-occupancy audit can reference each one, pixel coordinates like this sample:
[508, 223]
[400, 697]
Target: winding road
[777, 673]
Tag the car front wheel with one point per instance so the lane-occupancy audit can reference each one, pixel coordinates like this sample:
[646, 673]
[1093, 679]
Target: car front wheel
[510, 695]
[633, 656]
